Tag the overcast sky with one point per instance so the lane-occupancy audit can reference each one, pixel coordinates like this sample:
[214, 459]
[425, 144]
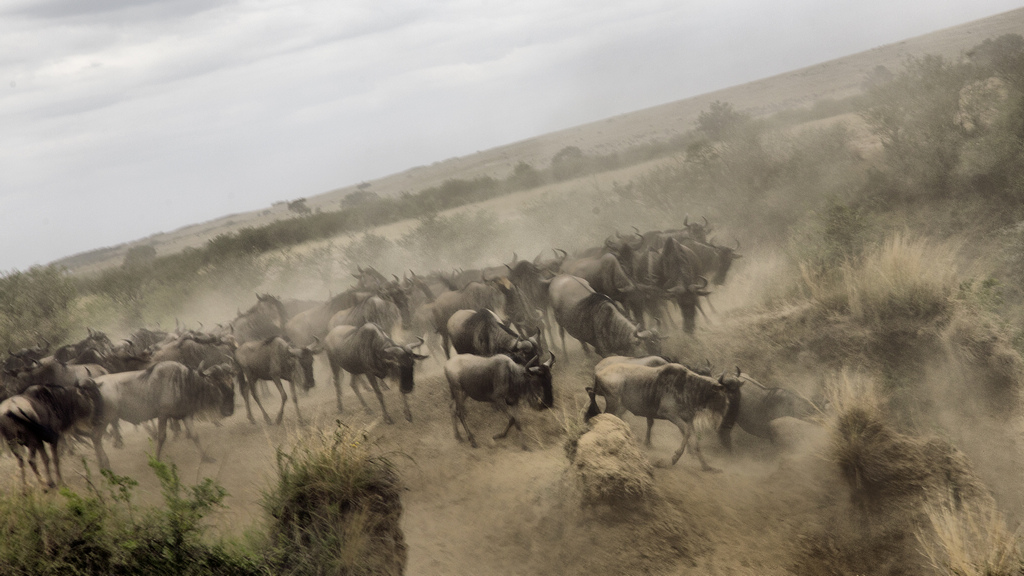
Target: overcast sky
[122, 118]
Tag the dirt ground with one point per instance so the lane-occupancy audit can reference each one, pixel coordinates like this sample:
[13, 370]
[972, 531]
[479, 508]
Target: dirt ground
[498, 509]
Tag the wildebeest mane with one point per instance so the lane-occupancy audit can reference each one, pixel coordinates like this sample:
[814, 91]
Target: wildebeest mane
[613, 332]
[371, 342]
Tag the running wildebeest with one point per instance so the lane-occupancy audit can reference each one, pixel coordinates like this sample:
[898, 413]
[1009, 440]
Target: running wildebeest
[41, 415]
[369, 351]
[164, 391]
[756, 406]
[380, 311]
[482, 332]
[500, 381]
[266, 318]
[668, 392]
[594, 318]
[275, 359]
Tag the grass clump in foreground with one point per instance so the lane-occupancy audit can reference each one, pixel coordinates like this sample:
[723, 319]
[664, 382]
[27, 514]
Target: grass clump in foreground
[102, 532]
[335, 508]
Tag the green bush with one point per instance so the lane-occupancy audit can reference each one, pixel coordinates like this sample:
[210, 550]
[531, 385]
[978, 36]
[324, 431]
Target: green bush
[103, 533]
[335, 509]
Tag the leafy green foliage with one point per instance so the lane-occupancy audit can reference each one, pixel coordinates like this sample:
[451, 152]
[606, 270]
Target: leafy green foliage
[101, 533]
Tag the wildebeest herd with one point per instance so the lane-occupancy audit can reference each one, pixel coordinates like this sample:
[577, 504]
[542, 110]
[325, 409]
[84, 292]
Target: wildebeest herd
[500, 321]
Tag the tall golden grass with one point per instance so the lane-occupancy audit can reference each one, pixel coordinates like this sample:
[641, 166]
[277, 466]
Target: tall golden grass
[901, 278]
[970, 539]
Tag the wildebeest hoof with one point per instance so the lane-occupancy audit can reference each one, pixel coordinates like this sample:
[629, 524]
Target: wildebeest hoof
[408, 416]
[209, 459]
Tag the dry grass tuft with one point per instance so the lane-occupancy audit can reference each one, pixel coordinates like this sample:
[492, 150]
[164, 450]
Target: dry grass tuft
[970, 539]
[903, 280]
[609, 464]
[883, 467]
[336, 508]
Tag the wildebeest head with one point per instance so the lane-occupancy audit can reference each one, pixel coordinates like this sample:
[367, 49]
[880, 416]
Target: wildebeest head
[725, 257]
[649, 339]
[540, 388]
[222, 377]
[304, 358]
[696, 230]
[404, 357]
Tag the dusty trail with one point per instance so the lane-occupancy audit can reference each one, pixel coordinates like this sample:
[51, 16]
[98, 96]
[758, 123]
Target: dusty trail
[498, 509]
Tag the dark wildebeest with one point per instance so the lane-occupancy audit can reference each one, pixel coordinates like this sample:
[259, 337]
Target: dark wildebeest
[266, 318]
[380, 311]
[668, 392]
[677, 270]
[715, 261]
[474, 296]
[52, 372]
[500, 381]
[275, 359]
[481, 332]
[367, 350]
[96, 341]
[311, 325]
[164, 391]
[756, 406]
[607, 275]
[532, 282]
[41, 415]
[595, 319]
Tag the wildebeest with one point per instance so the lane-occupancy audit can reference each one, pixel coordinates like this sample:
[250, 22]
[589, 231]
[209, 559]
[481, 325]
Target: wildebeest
[474, 296]
[275, 359]
[595, 319]
[367, 350]
[96, 341]
[41, 415]
[164, 391]
[677, 270]
[606, 275]
[756, 406]
[715, 261]
[312, 324]
[668, 392]
[265, 319]
[380, 311]
[500, 381]
[482, 332]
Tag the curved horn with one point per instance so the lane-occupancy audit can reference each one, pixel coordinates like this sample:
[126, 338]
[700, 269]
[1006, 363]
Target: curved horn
[737, 243]
[551, 361]
[533, 361]
[705, 221]
[686, 220]
[515, 257]
[564, 253]
[395, 276]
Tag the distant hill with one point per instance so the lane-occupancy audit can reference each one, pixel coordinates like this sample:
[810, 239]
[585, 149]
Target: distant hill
[835, 79]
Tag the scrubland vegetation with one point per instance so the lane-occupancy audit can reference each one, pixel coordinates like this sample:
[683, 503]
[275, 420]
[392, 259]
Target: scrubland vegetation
[895, 285]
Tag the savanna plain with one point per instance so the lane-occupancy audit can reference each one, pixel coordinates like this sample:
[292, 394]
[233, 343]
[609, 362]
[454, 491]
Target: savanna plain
[881, 238]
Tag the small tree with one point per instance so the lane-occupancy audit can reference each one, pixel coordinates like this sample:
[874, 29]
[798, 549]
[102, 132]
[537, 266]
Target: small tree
[569, 162]
[299, 207]
[720, 120]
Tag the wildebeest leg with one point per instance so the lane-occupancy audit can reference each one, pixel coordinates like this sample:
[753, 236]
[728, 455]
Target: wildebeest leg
[650, 424]
[445, 343]
[295, 398]
[284, 400]
[195, 438]
[115, 431]
[459, 410]
[561, 332]
[56, 462]
[355, 388]
[380, 397]
[17, 451]
[161, 435]
[512, 421]
[586, 349]
[250, 389]
[97, 444]
[46, 464]
[338, 376]
[687, 429]
[405, 407]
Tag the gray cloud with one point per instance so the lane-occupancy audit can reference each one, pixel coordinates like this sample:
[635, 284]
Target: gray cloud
[128, 118]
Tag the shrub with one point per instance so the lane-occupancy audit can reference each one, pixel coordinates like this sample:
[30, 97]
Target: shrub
[335, 508]
[101, 532]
